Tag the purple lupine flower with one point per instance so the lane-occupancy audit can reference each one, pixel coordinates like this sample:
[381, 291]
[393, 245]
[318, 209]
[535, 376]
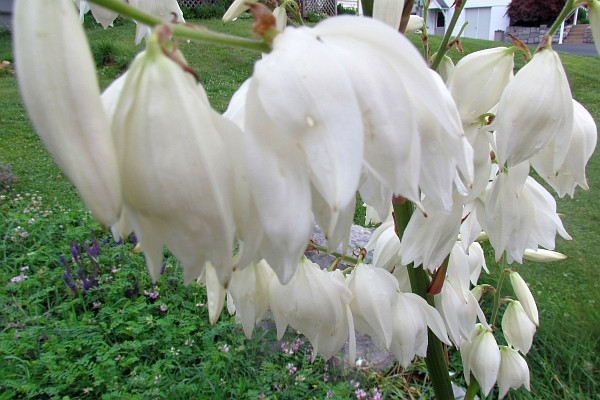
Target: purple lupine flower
[75, 251]
[69, 282]
[94, 250]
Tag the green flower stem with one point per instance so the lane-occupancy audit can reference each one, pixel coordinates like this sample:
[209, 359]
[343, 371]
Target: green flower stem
[444, 45]
[472, 389]
[503, 273]
[338, 255]
[566, 11]
[424, 33]
[184, 31]
[419, 281]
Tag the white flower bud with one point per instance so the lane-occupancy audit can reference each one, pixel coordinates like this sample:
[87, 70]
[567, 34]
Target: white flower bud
[543, 255]
[481, 357]
[525, 297]
[415, 23]
[517, 327]
[236, 9]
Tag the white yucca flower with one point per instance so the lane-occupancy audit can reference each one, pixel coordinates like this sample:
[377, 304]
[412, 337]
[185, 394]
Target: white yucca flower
[525, 297]
[168, 138]
[428, 239]
[534, 109]
[411, 317]
[319, 97]
[517, 327]
[518, 214]
[581, 147]
[316, 303]
[481, 357]
[478, 80]
[374, 296]
[249, 290]
[513, 372]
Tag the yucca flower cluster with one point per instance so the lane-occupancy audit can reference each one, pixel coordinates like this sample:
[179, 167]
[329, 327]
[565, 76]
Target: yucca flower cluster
[346, 106]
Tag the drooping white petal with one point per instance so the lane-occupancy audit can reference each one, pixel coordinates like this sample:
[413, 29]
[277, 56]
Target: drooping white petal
[446, 68]
[60, 90]
[388, 11]
[513, 372]
[506, 216]
[459, 311]
[517, 327]
[448, 149]
[167, 10]
[525, 297]
[386, 246]
[215, 293]
[427, 240]
[478, 80]
[476, 261]
[316, 83]
[572, 172]
[399, 59]
[335, 228]
[249, 289]
[415, 23]
[534, 108]
[374, 295]
[103, 16]
[281, 18]
[236, 9]
[279, 183]
[547, 222]
[411, 316]
[482, 163]
[314, 302]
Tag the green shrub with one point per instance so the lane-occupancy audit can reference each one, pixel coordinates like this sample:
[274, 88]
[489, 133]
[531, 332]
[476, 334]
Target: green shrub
[346, 10]
[315, 17]
[105, 53]
[207, 10]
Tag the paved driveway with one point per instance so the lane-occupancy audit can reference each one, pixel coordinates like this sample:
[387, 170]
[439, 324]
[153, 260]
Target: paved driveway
[583, 49]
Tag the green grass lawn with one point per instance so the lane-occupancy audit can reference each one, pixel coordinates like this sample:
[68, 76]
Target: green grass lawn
[565, 359]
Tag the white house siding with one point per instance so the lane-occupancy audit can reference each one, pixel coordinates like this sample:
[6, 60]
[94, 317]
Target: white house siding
[484, 16]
